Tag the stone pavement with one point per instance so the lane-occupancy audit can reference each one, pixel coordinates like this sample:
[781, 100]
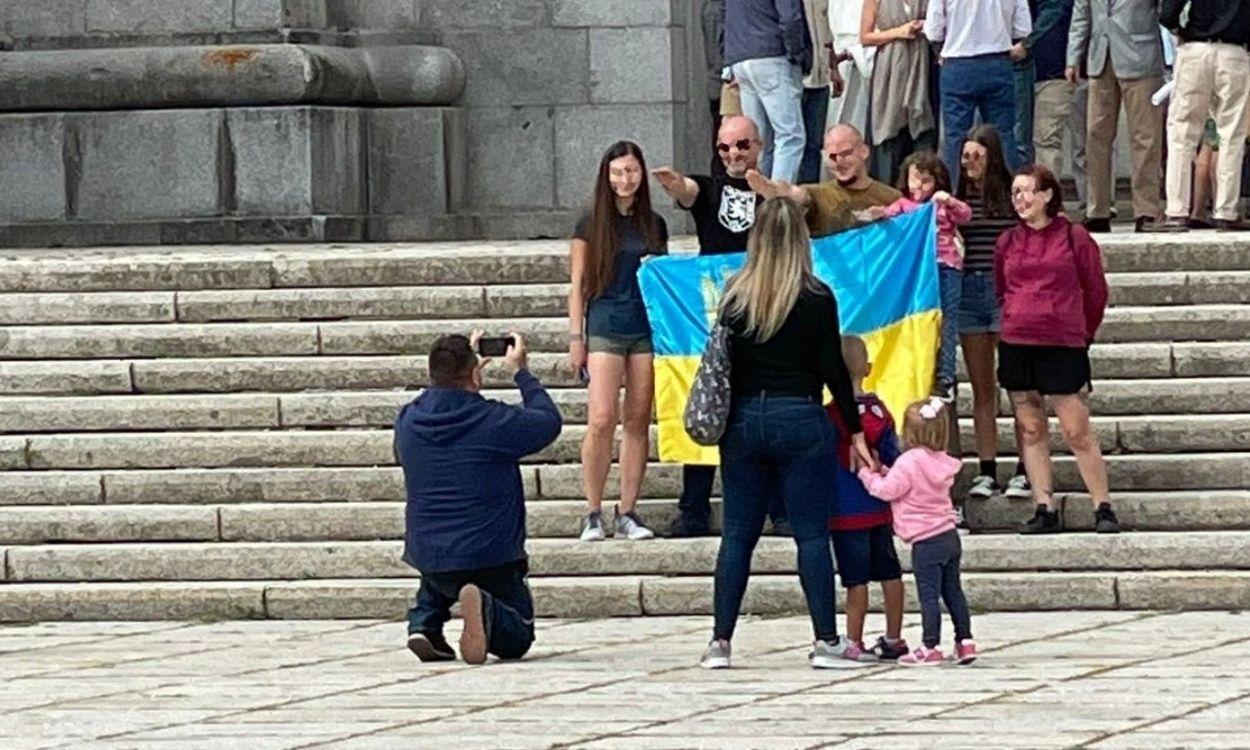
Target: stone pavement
[1070, 679]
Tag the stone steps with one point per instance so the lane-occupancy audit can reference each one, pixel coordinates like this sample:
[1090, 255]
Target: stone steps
[338, 409]
[597, 597]
[469, 301]
[233, 485]
[288, 374]
[398, 337]
[180, 561]
[1152, 434]
[560, 519]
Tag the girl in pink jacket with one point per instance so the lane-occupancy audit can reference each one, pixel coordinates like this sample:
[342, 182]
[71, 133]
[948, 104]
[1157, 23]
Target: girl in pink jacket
[918, 489]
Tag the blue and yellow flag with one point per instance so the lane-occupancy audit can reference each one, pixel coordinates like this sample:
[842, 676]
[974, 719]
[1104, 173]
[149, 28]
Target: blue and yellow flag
[884, 276]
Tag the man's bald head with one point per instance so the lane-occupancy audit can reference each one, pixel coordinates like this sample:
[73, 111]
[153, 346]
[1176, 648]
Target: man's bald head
[847, 154]
[738, 144]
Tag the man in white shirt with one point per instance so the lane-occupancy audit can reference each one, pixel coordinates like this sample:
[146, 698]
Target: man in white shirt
[976, 37]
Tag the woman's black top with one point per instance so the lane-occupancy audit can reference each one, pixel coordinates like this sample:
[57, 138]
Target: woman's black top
[803, 357]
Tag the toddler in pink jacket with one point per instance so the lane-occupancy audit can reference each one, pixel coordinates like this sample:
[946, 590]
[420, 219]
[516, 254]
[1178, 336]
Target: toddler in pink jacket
[918, 489]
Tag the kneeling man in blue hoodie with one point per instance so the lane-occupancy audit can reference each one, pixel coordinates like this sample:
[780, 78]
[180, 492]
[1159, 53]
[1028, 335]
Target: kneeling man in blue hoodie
[466, 508]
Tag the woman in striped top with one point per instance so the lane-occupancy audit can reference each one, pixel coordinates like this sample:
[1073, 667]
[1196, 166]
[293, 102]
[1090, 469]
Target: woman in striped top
[984, 184]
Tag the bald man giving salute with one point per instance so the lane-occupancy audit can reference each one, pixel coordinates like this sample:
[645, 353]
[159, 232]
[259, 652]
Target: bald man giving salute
[723, 208]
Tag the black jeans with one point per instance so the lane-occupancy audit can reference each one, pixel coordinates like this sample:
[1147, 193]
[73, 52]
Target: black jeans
[506, 598]
[935, 563]
[695, 503]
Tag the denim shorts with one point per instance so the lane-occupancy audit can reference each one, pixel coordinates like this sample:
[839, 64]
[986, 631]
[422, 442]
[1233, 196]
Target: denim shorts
[978, 307]
[866, 555]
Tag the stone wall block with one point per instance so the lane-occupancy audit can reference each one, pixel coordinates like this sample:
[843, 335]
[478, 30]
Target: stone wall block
[524, 66]
[274, 14]
[584, 133]
[181, 16]
[513, 152]
[492, 14]
[407, 164]
[148, 164]
[32, 172]
[389, 15]
[337, 161]
[631, 65]
[22, 18]
[612, 13]
[272, 160]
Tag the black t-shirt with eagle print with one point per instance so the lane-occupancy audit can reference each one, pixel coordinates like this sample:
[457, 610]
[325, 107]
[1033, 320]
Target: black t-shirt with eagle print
[723, 213]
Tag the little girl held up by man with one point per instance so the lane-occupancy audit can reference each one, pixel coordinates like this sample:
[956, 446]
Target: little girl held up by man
[918, 489]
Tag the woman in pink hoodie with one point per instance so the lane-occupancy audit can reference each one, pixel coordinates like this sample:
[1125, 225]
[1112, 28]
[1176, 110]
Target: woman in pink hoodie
[918, 489]
[1050, 283]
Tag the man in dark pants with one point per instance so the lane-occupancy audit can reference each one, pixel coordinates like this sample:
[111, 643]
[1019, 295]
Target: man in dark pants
[466, 506]
[723, 207]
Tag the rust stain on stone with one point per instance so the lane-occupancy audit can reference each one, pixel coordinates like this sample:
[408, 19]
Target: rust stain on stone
[230, 57]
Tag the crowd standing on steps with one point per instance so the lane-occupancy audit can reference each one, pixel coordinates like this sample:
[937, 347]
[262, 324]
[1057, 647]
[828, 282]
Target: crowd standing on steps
[819, 107]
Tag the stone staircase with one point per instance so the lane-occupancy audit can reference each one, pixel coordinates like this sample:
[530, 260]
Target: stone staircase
[204, 433]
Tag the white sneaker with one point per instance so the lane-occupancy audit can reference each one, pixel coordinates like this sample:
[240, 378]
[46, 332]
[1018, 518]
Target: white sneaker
[592, 528]
[630, 526]
[716, 656]
[1018, 488]
[984, 487]
[844, 654]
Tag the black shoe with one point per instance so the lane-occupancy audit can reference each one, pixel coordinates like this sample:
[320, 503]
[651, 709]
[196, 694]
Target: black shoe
[886, 652]
[1198, 224]
[1105, 521]
[1095, 226]
[1043, 522]
[1231, 225]
[430, 647]
[688, 525]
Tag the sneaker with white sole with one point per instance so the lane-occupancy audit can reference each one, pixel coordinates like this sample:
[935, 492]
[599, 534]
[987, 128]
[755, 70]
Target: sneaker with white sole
[984, 486]
[630, 526]
[923, 657]
[966, 651]
[430, 646]
[592, 528]
[716, 656]
[844, 654]
[1018, 488]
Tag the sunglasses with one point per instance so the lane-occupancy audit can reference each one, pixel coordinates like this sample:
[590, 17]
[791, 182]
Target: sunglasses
[741, 145]
[835, 156]
[971, 156]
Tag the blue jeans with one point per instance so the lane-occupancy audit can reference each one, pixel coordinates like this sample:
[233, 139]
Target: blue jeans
[935, 562]
[950, 286]
[815, 111]
[986, 84]
[787, 447]
[1025, 77]
[505, 596]
[772, 94]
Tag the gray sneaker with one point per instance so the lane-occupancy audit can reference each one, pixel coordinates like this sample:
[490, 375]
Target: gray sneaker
[592, 528]
[630, 526]
[716, 656]
[841, 655]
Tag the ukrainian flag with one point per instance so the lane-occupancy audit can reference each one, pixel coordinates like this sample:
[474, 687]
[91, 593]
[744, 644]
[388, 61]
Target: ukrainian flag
[884, 276]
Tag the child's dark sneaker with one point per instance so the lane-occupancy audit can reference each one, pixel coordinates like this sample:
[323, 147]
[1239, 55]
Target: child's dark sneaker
[1043, 522]
[430, 647]
[1105, 521]
[887, 651]
[923, 657]
[966, 651]
[961, 520]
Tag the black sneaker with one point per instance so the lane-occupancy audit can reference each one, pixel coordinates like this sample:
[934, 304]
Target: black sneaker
[886, 652]
[688, 525]
[1097, 226]
[1105, 521]
[430, 647]
[1043, 522]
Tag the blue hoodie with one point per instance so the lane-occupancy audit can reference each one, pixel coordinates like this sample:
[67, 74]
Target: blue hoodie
[459, 451]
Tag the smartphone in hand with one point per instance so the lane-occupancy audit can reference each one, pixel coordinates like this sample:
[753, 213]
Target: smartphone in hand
[494, 346]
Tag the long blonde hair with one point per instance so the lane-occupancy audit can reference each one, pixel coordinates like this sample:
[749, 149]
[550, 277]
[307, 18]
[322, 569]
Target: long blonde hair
[778, 268]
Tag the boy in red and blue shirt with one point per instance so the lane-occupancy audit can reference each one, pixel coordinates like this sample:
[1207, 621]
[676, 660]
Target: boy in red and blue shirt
[863, 539]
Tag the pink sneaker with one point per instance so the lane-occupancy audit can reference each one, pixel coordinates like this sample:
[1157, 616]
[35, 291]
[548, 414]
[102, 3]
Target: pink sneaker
[923, 657]
[966, 651]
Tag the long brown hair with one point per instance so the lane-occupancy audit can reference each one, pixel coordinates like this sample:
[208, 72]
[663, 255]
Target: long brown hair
[778, 269]
[996, 185]
[603, 242]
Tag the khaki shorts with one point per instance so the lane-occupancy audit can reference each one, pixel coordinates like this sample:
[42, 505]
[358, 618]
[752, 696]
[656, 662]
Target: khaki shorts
[622, 346]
